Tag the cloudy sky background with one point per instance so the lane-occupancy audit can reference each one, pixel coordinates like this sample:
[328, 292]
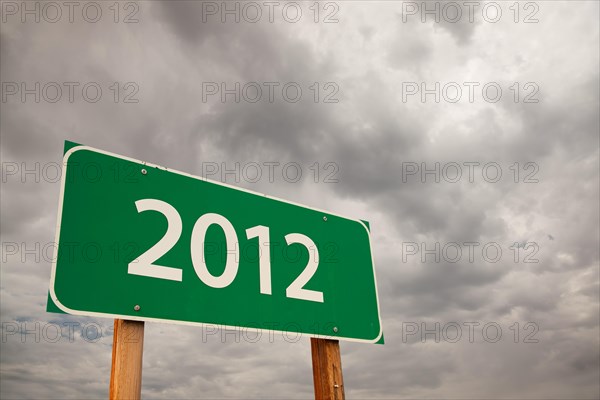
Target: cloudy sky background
[372, 136]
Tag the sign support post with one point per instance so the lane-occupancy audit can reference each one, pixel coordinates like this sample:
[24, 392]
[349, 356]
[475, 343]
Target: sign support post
[126, 371]
[327, 369]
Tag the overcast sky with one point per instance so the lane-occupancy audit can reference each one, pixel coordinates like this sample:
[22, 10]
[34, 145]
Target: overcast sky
[387, 92]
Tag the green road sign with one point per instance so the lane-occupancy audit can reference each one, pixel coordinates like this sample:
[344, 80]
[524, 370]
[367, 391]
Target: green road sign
[142, 242]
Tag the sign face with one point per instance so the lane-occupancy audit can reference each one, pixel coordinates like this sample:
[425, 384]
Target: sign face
[138, 241]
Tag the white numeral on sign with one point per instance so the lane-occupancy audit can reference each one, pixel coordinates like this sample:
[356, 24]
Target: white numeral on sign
[143, 264]
[296, 289]
[197, 249]
[264, 256]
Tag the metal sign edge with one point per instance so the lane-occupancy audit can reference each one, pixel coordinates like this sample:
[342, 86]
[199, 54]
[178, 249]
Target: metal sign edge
[188, 323]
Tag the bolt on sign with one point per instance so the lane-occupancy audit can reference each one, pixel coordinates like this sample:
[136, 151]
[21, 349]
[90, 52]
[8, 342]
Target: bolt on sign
[138, 241]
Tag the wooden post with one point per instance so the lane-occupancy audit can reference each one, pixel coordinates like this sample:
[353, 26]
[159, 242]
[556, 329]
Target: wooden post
[327, 369]
[126, 371]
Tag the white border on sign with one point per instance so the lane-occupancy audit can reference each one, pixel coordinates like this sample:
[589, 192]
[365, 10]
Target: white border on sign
[170, 321]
